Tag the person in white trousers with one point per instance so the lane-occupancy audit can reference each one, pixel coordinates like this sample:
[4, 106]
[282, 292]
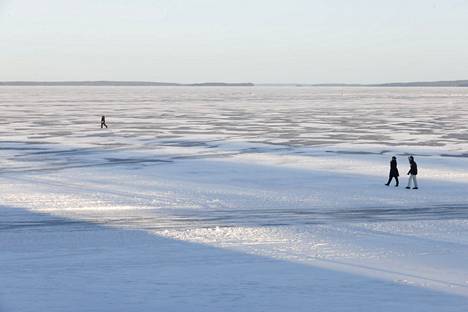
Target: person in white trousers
[413, 172]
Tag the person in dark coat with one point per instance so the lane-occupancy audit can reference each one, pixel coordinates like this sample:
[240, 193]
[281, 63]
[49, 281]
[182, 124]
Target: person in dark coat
[413, 172]
[103, 122]
[393, 172]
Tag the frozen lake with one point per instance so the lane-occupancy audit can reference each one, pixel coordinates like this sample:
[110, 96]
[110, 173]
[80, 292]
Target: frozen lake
[140, 116]
[233, 199]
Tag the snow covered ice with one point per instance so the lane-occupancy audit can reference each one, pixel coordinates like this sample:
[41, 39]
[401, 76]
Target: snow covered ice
[232, 199]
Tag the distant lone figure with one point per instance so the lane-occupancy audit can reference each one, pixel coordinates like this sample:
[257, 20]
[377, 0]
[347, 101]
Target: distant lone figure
[413, 172]
[103, 122]
[393, 172]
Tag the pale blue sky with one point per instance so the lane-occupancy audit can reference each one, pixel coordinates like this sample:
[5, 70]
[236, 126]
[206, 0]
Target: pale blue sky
[308, 41]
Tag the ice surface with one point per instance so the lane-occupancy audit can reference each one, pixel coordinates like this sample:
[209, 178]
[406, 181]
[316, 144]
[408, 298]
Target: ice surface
[233, 199]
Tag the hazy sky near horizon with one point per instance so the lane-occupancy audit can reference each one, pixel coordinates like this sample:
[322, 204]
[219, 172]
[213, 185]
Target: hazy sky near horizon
[309, 41]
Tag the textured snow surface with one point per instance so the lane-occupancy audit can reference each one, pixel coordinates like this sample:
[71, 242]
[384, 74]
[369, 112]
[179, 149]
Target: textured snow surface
[232, 199]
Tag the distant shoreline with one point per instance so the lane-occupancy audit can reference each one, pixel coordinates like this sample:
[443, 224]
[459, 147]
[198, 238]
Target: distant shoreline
[106, 83]
[448, 83]
[109, 83]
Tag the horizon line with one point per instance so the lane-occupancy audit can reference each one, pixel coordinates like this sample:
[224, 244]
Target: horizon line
[455, 83]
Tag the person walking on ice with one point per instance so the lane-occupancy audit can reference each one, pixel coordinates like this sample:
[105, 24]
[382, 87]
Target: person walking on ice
[393, 172]
[103, 122]
[413, 172]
